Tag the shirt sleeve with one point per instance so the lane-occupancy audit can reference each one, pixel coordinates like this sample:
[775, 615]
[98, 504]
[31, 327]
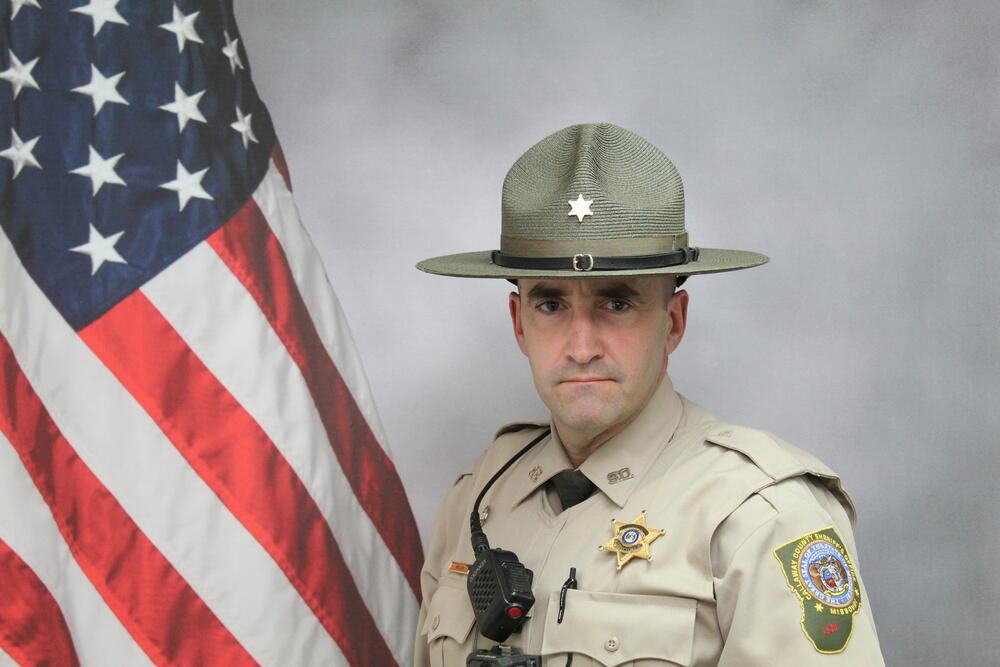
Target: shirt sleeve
[776, 605]
[446, 528]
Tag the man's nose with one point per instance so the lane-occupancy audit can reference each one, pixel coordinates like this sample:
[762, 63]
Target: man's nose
[583, 342]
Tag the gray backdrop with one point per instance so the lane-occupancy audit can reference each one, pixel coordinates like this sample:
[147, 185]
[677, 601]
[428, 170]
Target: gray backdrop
[855, 143]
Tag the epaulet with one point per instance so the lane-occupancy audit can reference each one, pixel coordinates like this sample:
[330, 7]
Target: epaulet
[513, 427]
[777, 458]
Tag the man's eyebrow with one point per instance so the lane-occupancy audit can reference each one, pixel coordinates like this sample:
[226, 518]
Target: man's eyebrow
[541, 291]
[618, 291]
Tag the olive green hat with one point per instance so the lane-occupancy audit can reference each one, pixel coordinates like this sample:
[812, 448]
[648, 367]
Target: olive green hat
[592, 201]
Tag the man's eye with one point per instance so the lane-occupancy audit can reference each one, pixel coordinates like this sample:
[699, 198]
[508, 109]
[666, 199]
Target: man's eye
[618, 305]
[548, 306]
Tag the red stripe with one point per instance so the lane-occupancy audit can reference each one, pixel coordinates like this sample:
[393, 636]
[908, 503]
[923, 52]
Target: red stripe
[278, 157]
[33, 630]
[234, 456]
[154, 603]
[251, 251]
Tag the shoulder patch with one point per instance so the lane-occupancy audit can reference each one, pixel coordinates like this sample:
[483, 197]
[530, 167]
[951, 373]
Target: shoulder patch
[818, 570]
[513, 427]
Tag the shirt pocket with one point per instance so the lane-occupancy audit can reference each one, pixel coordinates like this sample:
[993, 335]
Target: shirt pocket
[621, 629]
[448, 623]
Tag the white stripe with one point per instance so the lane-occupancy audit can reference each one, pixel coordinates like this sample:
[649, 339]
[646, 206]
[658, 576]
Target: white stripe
[27, 526]
[278, 206]
[250, 360]
[6, 660]
[129, 454]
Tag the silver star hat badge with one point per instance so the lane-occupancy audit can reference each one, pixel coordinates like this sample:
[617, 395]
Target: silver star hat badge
[580, 207]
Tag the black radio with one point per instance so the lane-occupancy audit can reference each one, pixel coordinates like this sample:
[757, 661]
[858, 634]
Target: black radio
[500, 592]
[499, 587]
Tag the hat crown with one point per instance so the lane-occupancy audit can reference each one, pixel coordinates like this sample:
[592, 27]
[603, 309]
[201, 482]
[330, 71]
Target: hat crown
[635, 190]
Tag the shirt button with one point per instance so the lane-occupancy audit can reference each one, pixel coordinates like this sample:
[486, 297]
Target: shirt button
[612, 644]
[435, 623]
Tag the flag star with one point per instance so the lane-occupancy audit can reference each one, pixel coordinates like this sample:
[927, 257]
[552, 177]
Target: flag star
[19, 74]
[101, 249]
[185, 106]
[187, 185]
[580, 207]
[102, 89]
[19, 152]
[183, 27]
[102, 11]
[99, 170]
[231, 51]
[242, 125]
[17, 4]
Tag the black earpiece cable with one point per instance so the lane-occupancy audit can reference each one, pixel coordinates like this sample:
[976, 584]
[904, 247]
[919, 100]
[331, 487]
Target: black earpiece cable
[479, 541]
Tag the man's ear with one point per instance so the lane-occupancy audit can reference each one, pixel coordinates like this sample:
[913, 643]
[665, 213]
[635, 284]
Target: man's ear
[514, 302]
[677, 311]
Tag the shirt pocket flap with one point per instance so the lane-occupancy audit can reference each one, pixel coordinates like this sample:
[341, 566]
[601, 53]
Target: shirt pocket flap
[449, 613]
[615, 628]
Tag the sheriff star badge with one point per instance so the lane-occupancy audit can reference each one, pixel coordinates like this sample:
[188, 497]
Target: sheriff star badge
[631, 540]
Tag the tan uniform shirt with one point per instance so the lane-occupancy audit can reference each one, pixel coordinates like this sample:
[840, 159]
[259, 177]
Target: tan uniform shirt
[715, 591]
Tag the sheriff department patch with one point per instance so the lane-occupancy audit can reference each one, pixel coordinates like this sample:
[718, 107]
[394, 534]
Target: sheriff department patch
[819, 572]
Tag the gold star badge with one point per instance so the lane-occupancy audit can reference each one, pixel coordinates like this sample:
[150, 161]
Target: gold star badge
[631, 540]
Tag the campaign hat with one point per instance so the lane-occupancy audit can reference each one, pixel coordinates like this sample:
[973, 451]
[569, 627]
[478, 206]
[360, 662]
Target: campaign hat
[589, 201]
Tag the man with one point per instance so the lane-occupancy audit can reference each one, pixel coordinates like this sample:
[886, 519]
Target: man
[691, 541]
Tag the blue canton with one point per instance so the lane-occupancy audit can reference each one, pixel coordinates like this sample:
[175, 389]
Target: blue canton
[129, 132]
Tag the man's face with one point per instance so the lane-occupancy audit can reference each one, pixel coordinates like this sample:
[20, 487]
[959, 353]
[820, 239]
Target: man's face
[597, 347]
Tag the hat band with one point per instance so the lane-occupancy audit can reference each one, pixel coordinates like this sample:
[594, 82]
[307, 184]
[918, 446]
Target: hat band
[620, 247]
[586, 262]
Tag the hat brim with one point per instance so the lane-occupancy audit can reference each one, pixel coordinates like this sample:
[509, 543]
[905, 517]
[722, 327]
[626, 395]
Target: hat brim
[480, 265]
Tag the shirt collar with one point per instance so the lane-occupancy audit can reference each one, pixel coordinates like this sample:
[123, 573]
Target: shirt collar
[618, 466]
[539, 466]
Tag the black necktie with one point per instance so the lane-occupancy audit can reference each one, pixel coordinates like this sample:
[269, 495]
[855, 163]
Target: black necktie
[572, 487]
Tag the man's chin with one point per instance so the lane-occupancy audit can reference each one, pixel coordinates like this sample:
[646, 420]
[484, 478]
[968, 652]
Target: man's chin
[586, 419]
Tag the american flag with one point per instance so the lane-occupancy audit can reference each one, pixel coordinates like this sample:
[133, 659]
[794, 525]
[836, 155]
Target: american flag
[192, 471]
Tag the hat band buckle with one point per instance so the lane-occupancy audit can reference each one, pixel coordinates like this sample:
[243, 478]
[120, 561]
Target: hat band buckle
[577, 266]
